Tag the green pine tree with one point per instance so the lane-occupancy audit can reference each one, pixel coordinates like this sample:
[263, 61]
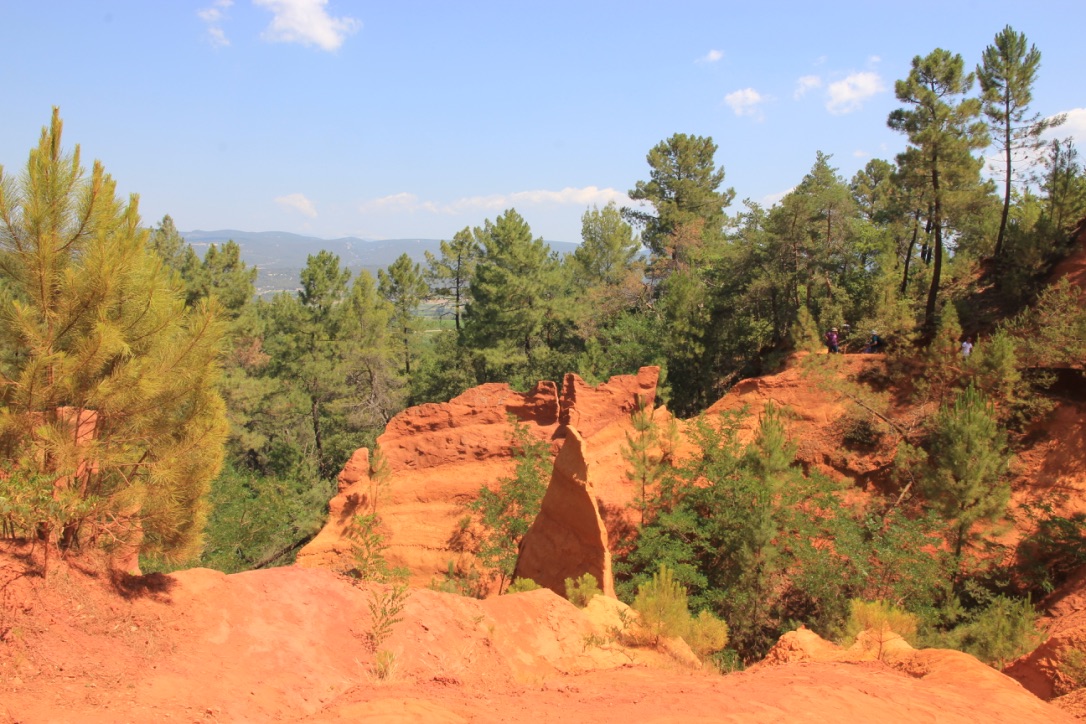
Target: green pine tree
[968, 462]
[404, 286]
[107, 381]
[1006, 74]
[507, 512]
[943, 130]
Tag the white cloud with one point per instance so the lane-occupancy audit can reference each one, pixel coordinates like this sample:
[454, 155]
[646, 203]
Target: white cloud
[712, 56]
[806, 83]
[860, 153]
[214, 13]
[1073, 126]
[398, 203]
[745, 102]
[848, 94]
[773, 199]
[306, 22]
[218, 37]
[299, 203]
[409, 203]
[213, 17]
[873, 60]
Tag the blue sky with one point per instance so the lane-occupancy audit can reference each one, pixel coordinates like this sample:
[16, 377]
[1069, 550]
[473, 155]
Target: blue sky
[415, 119]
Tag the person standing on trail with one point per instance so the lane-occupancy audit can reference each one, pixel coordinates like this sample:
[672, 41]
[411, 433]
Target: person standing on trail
[967, 346]
[832, 341]
[873, 344]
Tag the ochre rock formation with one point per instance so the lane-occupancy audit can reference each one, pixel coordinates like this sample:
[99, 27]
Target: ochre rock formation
[290, 644]
[1053, 466]
[440, 455]
[1049, 671]
[934, 668]
[330, 548]
[568, 538]
[813, 411]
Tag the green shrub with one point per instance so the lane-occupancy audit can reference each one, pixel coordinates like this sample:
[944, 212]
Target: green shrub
[706, 634]
[468, 582]
[1072, 669]
[368, 548]
[1001, 632]
[520, 585]
[878, 616]
[580, 591]
[662, 605]
[385, 609]
[859, 433]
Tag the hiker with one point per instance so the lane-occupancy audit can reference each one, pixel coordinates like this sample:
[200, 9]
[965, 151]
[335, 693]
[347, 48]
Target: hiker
[873, 344]
[832, 340]
[967, 347]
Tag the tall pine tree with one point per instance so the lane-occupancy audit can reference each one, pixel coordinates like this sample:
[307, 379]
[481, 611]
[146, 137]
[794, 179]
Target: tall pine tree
[107, 381]
[1006, 73]
[943, 130]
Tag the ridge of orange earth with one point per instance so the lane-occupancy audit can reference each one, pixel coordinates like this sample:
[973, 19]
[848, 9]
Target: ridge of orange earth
[290, 644]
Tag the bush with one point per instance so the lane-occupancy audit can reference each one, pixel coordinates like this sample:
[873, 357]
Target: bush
[878, 616]
[1001, 632]
[662, 605]
[463, 582]
[521, 585]
[706, 634]
[859, 433]
[368, 550]
[1072, 671]
[580, 591]
[1055, 549]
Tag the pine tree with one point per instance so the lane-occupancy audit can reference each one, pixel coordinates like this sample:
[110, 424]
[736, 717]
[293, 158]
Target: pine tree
[1063, 180]
[643, 454]
[1006, 75]
[683, 190]
[305, 342]
[968, 462]
[607, 250]
[513, 295]
[507, 512]
[944, 365]
[943, 130]
[107, 383]
[404, 287]
[450, 275]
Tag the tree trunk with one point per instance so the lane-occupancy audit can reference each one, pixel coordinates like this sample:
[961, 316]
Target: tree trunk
[937, 268]
[1007, 183]
[909, 253]
[317, 441]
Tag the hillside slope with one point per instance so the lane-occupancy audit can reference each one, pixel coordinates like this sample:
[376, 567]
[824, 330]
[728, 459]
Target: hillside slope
[289, 645]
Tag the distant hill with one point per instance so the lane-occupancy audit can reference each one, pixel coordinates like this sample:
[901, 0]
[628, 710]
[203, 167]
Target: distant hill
[280, 256]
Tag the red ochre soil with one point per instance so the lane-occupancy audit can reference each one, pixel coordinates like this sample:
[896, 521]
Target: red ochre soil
[289, 644]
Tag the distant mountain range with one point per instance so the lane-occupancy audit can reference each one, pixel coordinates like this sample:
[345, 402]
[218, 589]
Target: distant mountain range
[280, 256]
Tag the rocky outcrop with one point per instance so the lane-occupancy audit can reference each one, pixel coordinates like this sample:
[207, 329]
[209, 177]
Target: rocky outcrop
[568, 538]
[330, 548]
[591, 409]
[471, 427]
[440, 455]
[815, 414]
[292, 644]
[1058, 666]
[940, 668]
